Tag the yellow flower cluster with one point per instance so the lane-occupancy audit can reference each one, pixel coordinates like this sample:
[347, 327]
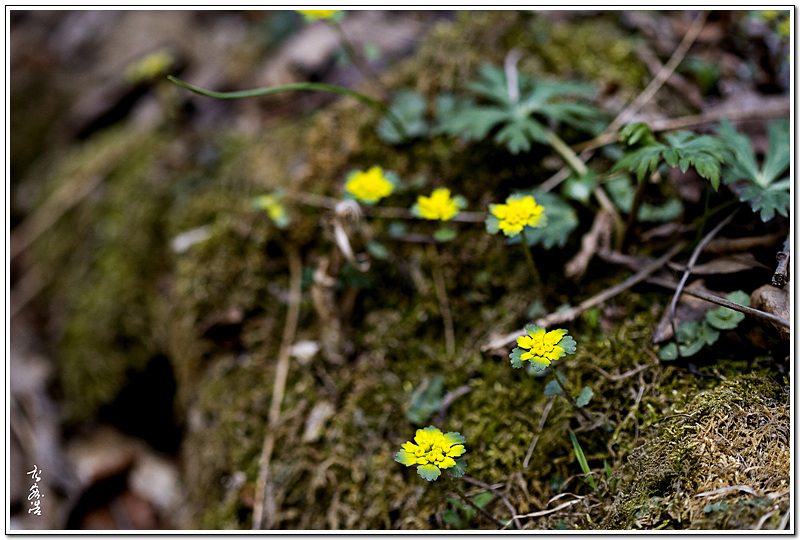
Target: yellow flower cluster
[542, 346]
[517, 213]
[440, 205]
[314, 14]
[370, 186]
[433, 451]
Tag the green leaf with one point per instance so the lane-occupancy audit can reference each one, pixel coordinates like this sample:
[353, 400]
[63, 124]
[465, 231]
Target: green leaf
[492, 223]
[520, 123]
[724, 318]
[580, 189]
[516, 361]
[636, 133]
[568, 344]
[584, 397]
[378, 250]
[473, 122]
[642, 160]
[530, 329]
[621, 191]
[538, 365]
[576, 447]
[668, 352]
[429, 472]
[426, 399]
[458, 470]
[409, 108]
[445, 234]
[517, 135]
[739, 297]
[451, 518]
[553, 389]
[777, 158]
[683, 149]
[763, 189]
[482, 499]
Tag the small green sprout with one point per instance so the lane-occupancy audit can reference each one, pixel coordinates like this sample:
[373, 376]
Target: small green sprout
[371, 186]
[433, 452]
[692, 336]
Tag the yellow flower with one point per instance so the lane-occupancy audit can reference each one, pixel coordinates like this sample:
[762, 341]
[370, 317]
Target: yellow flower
[274, 209]
[370, 186]
[438, 206]
[314, 14]
[542, 345]
[150, 66]
[433, 451]
[517, 213]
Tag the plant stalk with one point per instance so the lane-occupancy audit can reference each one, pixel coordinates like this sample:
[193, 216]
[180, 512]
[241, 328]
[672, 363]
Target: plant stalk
[537, 280]
[357, 59]
[569, 397]
[307, 86]
[466, 499]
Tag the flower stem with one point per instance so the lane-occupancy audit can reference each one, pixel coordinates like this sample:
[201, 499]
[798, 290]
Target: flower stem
[537, 280]
[466, 499]
[444, 305]
[354, 56]
[305, 86]
[569, 397]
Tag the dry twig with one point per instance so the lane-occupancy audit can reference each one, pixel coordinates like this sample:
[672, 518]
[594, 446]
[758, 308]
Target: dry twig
[264, 508]
[692, 260]
[572, 313]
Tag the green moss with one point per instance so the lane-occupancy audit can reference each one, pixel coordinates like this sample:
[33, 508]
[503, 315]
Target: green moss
[734, 435]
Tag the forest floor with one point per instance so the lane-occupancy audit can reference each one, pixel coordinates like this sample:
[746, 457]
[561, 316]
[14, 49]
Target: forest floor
[208, 331]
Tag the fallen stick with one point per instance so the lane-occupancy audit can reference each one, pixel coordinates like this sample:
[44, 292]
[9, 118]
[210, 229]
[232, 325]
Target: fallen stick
[570, 314]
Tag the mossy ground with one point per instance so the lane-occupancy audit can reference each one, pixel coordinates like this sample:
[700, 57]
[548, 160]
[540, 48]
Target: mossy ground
[217, 310]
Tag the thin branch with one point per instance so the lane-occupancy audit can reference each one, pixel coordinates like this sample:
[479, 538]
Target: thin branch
[781, 275]
[665, 73]
[727, 489]
[692, 260]
[682, 122]
[498, 493]
[572, 313]
[542, 420]
[646, 95]
[264, 508]
[467, 500]
[556, 509]
[321, 201]
[58, 204]
[625, 375]
[720, 301]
